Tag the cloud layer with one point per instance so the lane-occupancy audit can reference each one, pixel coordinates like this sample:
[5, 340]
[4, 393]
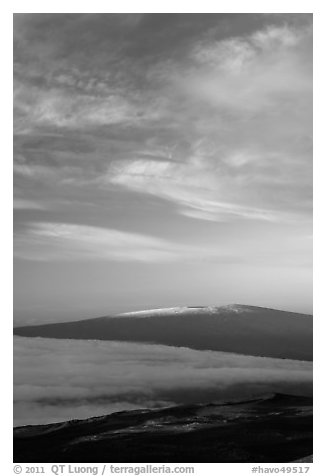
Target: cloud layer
[56, 380]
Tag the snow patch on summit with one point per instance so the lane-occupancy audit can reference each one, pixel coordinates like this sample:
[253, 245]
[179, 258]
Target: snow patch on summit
[186, 310]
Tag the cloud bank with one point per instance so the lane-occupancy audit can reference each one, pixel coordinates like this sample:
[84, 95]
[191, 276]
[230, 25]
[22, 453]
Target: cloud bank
[56, 380]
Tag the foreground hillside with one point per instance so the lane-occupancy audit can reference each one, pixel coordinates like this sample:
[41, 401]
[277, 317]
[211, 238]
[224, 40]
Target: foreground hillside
[276, 428]
[238, 329]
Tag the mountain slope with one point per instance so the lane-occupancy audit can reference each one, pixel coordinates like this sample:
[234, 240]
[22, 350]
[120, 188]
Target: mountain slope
[277, 428]
[239, 329]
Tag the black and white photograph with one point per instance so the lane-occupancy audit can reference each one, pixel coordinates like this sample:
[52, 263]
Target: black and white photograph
[162, 238]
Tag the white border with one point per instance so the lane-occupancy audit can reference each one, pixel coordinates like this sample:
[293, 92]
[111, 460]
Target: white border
[168, 6]
[277, 6]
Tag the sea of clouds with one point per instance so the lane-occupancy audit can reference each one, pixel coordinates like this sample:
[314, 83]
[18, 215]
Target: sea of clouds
[57, 380]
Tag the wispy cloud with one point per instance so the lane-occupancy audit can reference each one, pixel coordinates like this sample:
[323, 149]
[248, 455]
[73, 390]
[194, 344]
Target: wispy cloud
[60, 109]
[22, 204]
[254, 73]
[192, 186]
[62, 241]
[59, 241]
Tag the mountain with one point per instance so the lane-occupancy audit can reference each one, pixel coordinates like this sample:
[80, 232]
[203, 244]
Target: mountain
[277, 428]
[236, 328]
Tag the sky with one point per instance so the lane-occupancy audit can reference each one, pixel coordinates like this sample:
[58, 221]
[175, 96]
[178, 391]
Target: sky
[161, 160]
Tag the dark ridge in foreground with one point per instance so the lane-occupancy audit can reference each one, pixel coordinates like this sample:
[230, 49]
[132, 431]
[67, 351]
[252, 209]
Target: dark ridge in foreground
[237, 328]
[274, 429]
